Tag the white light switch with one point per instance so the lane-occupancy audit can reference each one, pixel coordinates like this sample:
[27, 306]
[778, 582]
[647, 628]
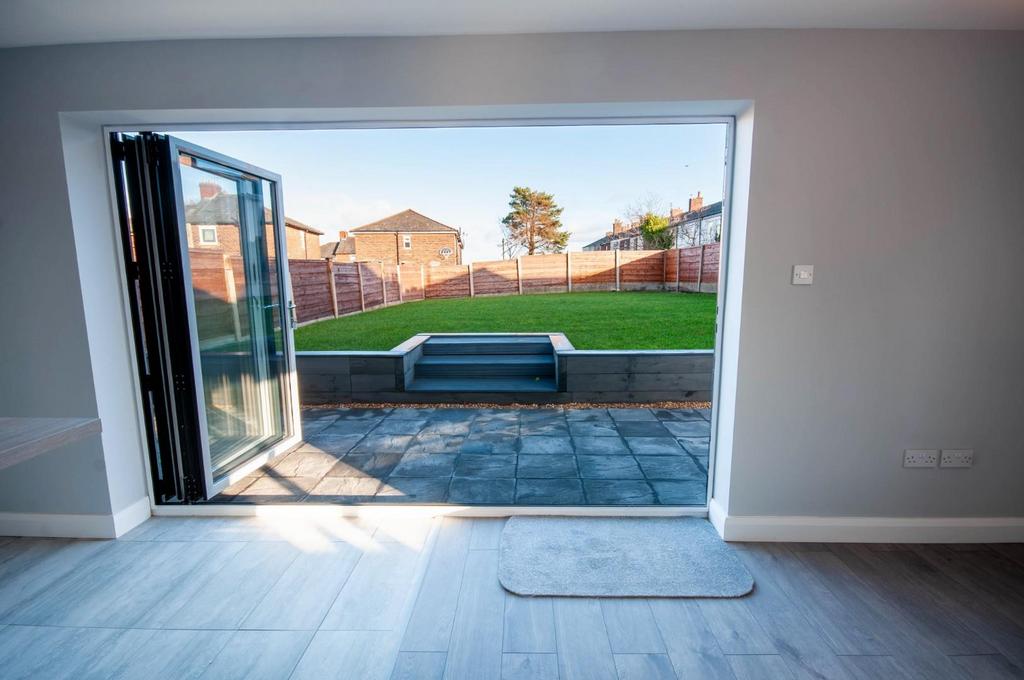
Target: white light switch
[803, 274]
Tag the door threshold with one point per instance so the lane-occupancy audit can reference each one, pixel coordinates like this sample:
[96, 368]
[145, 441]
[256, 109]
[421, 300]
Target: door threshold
[327, 510]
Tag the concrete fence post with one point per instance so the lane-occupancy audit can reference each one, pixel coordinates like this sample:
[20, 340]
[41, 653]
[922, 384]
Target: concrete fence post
[398, 275]
[617, 284]
[519, 273]
[383, 285]
[359, 281]
[679, 267]
[700, 269]
[332, 287]
[664, 268]
[472, 292]
[568, 271]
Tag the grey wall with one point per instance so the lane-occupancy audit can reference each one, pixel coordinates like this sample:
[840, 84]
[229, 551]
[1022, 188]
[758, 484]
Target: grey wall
[889, 160]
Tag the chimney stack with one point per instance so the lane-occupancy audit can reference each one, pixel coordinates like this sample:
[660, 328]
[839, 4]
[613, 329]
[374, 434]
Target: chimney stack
[696, 202]
[618, 227]
[208, 189]
[342, 235]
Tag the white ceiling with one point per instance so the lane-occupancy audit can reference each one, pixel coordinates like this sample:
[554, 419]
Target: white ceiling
[49, 22]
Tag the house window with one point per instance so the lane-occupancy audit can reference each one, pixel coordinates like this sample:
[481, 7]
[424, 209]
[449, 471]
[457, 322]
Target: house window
[407, 242]
[208, 235]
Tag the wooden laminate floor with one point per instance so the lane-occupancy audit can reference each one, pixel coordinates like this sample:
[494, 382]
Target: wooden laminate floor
[418, 597]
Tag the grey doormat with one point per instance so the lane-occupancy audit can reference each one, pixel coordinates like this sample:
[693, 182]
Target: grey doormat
[619, 557]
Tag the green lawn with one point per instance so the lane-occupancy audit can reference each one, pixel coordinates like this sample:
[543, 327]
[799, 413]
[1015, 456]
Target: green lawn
[633, 320]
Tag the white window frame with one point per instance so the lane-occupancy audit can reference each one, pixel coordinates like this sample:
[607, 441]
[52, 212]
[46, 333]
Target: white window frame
[407, 241]
[205, 228]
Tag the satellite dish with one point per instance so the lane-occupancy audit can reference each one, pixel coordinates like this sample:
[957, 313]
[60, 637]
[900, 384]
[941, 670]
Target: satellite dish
[445, 252]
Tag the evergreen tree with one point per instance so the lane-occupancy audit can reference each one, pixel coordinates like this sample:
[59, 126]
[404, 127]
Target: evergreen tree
[533, 222]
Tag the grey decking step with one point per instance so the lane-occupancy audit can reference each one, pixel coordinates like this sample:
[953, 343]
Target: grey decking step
[506, 384]
[485, 365]
[482, 344]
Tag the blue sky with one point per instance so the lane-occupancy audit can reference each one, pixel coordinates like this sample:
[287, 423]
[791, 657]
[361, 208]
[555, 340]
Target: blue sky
[339, 179]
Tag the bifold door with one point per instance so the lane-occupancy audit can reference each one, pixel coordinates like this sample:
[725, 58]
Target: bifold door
[207, 269]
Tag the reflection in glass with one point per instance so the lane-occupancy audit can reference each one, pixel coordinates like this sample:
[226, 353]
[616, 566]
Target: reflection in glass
[237, 309]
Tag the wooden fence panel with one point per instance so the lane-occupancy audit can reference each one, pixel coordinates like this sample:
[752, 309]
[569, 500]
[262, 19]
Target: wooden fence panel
[496, 277]
[311, 289]
[373, 284]
[544, 273]
[641, 267]
[593, 270]
[346, 284]
[671, 267]
[712, 253]
[448, 281]
[412, 282]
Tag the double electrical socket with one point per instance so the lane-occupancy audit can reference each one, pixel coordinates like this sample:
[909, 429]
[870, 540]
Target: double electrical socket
[929, 458]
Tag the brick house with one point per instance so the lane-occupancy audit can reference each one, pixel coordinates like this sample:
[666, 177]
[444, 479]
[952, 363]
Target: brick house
[212, 223]
[407, 236]
[697, 225]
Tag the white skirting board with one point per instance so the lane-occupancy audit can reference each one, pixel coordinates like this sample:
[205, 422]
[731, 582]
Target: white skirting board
[797, 529]
[45, 525]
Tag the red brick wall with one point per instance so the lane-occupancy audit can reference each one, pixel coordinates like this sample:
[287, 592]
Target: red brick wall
[389, 247]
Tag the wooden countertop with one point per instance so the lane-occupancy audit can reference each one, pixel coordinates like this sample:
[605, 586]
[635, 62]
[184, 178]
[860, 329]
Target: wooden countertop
[24, 438]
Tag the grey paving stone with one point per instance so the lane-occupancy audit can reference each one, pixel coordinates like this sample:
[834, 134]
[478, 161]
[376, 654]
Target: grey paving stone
[549, 492]
[336, 444]
[350, 426]
[698, 446]
[586, 428]
[534, 414]
[654, 446]
[454, 415]
[272, 488]
[670, 467]
[689, 428]
[490, 443]
[486, 465]
[304, 464]
[436, 443]
[546, 444]
[631, 414]
[642, 428]
[681, 493]
[446, 427]
[678, 414]
[546, 466]
[556, 429]
[587, 415]
[509, 428]
[618, 492]
[609, 467]
[365, 465]
[392, 425]
[425, 465]
[413, 490]
[383, 443]
[315, 425]
[415, 413]
[344, 490]
[482, 491]
[705, 413]
[362, 413]
[600, 446]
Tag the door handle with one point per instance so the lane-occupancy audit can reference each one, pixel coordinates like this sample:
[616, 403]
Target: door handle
[291, 314]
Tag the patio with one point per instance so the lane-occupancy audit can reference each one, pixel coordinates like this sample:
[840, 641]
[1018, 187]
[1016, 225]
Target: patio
[480, 456]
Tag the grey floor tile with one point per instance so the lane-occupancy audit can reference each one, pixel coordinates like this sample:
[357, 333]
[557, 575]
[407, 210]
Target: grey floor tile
[425, 465]
[586, 428]
[689, 428]
[642, 428]
[681, 493]
[670, 467]
[436, 443]
[644, 667]
[631, 414]
[348, 655]
[485, 465]
[413, 490]
[529, 666]
[654, 446]
[545, 466]
[490, 443]
[546, 444]
[365, 465]
[259, 655]
[482, 490]
[338, 444]
[383, 443]
[609, 467]
[618, 492]
[392, 425]
[549, 492]
[344, 490]
[600, 446]
[419, 666]
[178, 654]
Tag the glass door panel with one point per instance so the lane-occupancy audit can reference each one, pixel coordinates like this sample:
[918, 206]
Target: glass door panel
[237, 309]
